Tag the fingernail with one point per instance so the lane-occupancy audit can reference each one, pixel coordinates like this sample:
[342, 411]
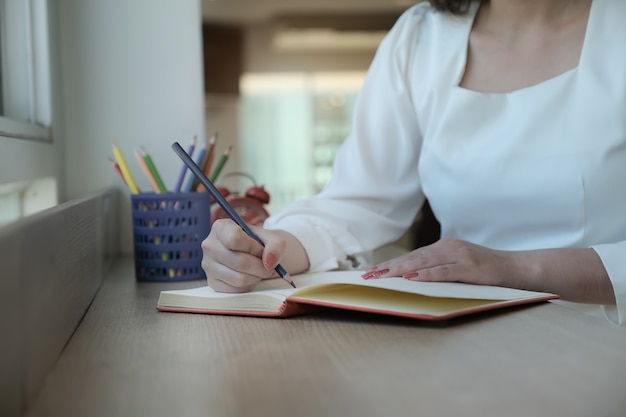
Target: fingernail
[410, 275]
[374, 274]
[270, 261]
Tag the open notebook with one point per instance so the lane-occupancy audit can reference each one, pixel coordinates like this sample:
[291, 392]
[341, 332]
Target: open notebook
[347, 290]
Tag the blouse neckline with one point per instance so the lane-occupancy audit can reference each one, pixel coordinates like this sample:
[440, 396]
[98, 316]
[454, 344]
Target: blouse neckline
[467, 29]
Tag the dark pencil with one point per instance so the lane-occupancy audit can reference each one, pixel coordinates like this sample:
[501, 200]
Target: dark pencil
[224, 204]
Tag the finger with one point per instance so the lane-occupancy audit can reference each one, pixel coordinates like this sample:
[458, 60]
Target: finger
[275, 247]
[237, 261]
[234, 238]
[215, 253]
[229, 271]
[224, 279]
[440, 273]
[419, 259]
[231, 259]
[392, 267]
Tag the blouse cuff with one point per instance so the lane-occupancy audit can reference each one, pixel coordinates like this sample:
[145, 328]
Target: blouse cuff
[614, 260]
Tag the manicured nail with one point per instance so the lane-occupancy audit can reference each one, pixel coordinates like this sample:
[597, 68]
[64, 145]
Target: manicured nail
[270, 261]
[410, 275]
[374, 274]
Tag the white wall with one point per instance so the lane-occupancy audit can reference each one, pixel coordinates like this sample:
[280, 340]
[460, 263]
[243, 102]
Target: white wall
[131, 73]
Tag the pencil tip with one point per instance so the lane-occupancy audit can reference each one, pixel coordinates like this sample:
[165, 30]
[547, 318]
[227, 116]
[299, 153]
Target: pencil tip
[285, 275]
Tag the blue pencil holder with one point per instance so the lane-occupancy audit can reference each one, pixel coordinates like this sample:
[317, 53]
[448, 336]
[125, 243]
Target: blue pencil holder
[168, 230]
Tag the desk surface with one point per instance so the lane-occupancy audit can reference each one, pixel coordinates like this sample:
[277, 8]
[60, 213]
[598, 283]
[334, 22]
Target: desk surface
[127, 359]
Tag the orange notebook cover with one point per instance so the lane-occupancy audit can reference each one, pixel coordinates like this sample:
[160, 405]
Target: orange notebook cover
[347, 290]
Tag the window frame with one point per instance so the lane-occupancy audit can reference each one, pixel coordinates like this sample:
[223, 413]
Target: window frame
[32, 38]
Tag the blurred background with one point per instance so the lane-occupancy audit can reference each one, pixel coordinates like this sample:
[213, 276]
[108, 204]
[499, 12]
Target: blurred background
[282, 76]
[276, 79]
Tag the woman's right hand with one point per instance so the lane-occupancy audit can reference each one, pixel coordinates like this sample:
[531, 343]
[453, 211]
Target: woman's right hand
[235, 262]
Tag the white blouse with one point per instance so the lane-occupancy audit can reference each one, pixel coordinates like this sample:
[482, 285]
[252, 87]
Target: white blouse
[540, 167]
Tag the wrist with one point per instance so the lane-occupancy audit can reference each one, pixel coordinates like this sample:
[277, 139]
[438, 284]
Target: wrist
[576, 274]
[528, 270]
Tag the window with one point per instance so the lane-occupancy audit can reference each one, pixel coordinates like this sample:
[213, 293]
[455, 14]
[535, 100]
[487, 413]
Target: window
[294, 123]
[25, 108]
[24, 70]
[21, 199]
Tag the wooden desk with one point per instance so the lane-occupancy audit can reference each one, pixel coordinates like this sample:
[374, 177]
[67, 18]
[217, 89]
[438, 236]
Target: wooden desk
[126, 359]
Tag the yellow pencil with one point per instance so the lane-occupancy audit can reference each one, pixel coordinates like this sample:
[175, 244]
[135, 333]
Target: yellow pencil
[125, 171]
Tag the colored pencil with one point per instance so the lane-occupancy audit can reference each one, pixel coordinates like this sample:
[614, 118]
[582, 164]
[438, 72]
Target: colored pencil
[146, 171]
[117, 169]
[183, 170]
[208, 161]
[206, 168]
[220, 164]
[155, 174]
[125, 171]
[192, 178]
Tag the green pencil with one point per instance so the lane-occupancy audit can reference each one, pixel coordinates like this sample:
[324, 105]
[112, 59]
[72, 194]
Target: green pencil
[153, 169]
[220, 164]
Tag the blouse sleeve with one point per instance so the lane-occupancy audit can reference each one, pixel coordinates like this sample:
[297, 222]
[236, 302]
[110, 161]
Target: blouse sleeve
[375, 192]
[613, 257]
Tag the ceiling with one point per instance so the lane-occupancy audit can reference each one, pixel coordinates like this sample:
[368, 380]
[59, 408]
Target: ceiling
[244, 12]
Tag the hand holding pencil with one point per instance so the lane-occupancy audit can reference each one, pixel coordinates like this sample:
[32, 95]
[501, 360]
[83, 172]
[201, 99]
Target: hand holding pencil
[195, 169]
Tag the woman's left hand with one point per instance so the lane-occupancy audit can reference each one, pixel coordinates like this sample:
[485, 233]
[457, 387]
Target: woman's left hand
[576, 274]
[453, 260]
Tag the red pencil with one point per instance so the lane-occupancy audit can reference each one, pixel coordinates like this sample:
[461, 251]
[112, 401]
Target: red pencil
[117, 169]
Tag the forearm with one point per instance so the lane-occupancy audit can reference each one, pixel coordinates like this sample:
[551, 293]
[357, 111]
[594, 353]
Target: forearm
[576, 274]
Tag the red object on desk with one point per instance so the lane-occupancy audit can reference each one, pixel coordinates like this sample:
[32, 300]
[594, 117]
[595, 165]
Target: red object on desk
[250, 206]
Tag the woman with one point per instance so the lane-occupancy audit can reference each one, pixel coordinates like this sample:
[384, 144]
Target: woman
[510, 118]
